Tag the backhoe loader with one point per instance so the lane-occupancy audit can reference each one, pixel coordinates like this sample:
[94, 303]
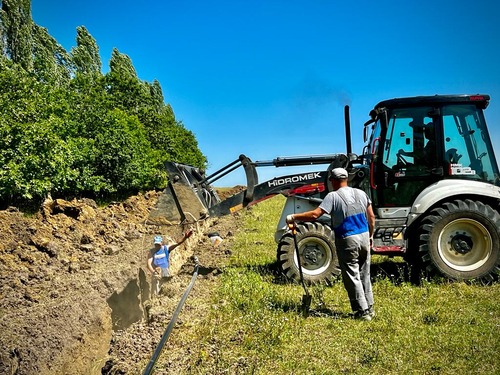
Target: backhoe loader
[429, 167]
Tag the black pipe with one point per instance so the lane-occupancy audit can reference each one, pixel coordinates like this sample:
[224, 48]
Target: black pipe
[170, 326]
[209, 179]
[290, 161]
[347, 130]
[222, 170]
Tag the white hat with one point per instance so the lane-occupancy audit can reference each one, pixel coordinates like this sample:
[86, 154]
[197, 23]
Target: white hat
[338, 174]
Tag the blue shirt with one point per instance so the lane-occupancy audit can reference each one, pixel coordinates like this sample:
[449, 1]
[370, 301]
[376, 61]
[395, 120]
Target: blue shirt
[347, 208]
[160, 258]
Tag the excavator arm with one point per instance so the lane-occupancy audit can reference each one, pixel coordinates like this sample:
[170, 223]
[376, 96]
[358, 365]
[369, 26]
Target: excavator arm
[190, 195]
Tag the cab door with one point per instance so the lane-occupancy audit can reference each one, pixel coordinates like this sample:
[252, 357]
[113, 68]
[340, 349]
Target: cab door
[408, 160]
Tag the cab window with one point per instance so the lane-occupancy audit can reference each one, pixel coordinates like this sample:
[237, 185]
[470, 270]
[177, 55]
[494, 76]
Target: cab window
[468, 151]
[410, 140]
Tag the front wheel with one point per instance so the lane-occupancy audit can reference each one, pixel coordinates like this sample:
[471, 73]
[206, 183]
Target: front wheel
[462, 240]
[318, 257]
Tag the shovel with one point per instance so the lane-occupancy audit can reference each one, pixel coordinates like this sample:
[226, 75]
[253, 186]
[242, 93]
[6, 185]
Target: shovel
[306, 298]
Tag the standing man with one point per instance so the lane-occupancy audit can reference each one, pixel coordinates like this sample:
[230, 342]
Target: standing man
[158, 259]
[353, 222]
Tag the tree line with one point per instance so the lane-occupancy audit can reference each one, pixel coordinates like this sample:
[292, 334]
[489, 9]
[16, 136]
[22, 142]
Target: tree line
[68, 130]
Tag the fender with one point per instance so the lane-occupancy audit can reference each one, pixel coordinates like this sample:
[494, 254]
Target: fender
[450, 189]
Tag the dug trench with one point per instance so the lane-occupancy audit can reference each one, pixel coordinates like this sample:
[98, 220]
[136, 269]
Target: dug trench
[75, 294]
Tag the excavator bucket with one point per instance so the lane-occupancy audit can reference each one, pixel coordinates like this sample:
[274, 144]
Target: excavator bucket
[190, 197]
[186, 198]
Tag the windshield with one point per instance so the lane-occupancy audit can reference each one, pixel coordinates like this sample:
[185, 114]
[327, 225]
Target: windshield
[410, 138]
[467, 144]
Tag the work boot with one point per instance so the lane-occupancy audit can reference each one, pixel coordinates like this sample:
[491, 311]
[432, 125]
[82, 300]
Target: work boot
[362, 315]
[371, 311]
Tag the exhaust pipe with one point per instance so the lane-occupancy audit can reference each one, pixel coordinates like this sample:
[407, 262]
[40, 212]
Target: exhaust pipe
[347, 130]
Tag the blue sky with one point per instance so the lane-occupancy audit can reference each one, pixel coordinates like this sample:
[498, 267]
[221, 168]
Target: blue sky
[271, 78]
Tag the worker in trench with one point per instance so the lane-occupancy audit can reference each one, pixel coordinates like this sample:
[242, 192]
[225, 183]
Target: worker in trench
[158, 259]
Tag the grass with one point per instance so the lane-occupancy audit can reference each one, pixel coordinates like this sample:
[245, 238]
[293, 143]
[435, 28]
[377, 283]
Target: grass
[254, 325]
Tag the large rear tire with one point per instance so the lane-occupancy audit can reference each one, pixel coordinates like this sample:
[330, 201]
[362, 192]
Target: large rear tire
[462, 240]
[318, 256]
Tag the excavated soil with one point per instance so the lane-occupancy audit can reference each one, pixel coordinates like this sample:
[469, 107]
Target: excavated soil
[75, 295]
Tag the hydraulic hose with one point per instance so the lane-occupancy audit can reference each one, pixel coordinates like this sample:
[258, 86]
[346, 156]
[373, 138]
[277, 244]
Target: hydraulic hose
[166, 334]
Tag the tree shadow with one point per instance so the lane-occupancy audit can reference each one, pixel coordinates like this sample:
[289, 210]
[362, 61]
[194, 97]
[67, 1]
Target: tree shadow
[317, 312]
[270, 269]
[404, 272]
[396, 272]
[325, 312]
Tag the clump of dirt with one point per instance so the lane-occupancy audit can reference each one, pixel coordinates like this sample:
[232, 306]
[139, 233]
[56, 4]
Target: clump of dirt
[75, 294]
[224, 193]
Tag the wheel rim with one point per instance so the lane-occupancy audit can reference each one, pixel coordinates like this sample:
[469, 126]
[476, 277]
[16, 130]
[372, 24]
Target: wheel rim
[465, 244]
[316, 256]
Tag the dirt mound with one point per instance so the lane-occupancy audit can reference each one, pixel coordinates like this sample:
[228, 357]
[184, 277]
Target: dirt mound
[72, 273]
[224, 193]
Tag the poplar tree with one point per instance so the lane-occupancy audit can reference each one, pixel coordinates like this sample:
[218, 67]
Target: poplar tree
[86, 53]
[52, 64]
[17, 32]
[121, 65]
[122, 83]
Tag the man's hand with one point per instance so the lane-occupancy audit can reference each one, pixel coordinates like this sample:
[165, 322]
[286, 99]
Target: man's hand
[290, 219]
[188, 233]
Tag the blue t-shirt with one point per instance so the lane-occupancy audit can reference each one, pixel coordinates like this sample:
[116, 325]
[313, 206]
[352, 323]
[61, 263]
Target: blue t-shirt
[347, 207]
[160, 258]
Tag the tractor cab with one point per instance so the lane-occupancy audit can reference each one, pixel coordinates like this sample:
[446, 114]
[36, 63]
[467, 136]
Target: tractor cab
[418, 141]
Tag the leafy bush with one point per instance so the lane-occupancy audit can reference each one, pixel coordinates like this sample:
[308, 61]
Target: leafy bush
[68, 130]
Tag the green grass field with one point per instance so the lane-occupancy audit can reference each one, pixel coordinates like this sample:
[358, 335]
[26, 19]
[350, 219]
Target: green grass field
[254, 324]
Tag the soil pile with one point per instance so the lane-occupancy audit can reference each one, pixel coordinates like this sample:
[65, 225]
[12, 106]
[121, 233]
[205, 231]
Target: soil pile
[75, 295]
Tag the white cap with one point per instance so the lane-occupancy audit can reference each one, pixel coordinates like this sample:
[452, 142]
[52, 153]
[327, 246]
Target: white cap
[338, 174]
